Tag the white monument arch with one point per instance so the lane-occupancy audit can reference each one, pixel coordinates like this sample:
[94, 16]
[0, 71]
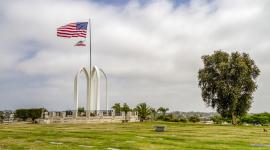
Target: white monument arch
[93, 112]
[93, 90]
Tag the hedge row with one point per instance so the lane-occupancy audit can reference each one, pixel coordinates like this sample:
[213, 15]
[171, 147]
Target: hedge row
[33, 113]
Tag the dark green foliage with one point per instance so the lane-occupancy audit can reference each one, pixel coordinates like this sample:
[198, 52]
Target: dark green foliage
[175, 120]
[1, 116]
[262, 119]
[143, 111]
[125, 108]
[166, 118]
[163, 110]
[194, 119]
[170, 118]
[183, 120]
[69, 112]
[217, 119]
[22, 114]
[117, 108]
[81, 111]
[228, 82]
[33, 113]
[153, 113]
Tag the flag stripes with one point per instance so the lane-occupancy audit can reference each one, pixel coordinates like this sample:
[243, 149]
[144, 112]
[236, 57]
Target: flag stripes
[78, 29]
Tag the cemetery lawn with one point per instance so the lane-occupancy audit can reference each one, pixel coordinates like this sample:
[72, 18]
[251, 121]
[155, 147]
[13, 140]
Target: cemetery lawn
[132, 136]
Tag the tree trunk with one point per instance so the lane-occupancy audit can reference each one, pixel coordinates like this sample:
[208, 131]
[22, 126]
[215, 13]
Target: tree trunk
[234, 122]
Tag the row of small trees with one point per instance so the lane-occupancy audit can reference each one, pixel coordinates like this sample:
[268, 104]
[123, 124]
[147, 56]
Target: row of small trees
[144, 111]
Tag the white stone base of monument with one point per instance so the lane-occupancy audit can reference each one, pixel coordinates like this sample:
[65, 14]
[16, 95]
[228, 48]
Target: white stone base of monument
[79, 120]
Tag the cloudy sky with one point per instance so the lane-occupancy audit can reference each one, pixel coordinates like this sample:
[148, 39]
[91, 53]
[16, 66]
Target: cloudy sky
[150, 49]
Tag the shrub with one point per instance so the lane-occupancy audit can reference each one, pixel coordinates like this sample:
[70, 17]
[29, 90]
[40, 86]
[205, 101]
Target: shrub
[81, 111]
[194, 119]
[166, 119]
[217, 119]
[183, 120]
[160, 118]
[175, 120]
[262, 119]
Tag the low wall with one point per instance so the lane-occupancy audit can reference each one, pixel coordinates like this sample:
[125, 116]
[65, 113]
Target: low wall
[96, 119]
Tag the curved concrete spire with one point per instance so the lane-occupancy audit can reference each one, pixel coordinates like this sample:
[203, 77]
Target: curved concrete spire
[93, 92]
[76, 87]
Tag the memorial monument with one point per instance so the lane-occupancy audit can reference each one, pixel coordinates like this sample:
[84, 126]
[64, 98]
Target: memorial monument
[93, 80]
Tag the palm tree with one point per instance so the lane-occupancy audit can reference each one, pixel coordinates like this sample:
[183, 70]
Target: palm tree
[163, 111]
[143, 111]
[125, 109]
[117, 108]
[154, 112]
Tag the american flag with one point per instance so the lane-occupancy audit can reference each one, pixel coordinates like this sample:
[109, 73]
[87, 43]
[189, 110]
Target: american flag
[78, 29]
[80, 43]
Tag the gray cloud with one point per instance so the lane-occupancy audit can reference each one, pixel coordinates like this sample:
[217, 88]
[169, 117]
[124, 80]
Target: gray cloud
[151, 52]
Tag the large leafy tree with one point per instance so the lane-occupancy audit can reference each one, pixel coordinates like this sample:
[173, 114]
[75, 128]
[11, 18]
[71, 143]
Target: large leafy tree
[227, 82]
[22, 114]
[35, 113]
[143, 111]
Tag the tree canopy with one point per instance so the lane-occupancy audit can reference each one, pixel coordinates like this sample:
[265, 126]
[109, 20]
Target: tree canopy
[163, 110]
[117, 108]
[143, 111]
[81, 110]
[228, 82]
[125, 108]
[33, 113]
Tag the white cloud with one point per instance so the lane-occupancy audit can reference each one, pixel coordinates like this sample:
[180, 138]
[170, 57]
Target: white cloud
[151, 52]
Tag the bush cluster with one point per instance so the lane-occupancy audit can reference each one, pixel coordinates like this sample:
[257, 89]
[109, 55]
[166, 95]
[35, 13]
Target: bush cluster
[217, 119]
[194, 119]
[254, 119]
[257, 119]
[33, 113]
[172, 118]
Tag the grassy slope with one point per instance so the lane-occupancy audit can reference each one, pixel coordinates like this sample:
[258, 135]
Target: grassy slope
[131, 136]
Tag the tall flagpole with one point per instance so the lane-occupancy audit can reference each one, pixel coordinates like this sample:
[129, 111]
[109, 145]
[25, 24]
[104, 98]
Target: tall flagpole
[90, 61]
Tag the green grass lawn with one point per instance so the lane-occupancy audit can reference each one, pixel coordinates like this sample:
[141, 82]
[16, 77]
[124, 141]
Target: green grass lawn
[131, 136]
